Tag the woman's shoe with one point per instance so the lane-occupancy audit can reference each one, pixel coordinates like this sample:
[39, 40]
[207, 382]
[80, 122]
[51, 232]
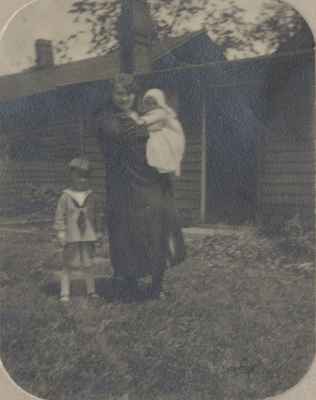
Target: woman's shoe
[162, 296]
[132, 288]
[158, 295]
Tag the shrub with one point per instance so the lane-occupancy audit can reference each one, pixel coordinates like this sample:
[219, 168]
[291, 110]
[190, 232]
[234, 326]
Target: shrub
[37, 199]
[295, 238]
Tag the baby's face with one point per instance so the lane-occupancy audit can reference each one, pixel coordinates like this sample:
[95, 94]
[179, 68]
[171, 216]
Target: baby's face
[149, 103]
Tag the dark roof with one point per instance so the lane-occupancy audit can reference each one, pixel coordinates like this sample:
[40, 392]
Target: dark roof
[42, 80]
[171, 43]
[73, 101]
[68, 103]
[41, 96]
[92, 69]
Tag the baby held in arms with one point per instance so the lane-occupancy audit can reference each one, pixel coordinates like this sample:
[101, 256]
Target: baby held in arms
[166, 144]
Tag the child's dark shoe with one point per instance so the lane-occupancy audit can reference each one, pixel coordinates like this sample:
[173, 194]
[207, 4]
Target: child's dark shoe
[93, 296]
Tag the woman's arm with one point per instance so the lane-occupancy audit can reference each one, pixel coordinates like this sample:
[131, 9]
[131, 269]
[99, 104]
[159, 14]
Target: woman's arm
[130, 129]
[118, 127]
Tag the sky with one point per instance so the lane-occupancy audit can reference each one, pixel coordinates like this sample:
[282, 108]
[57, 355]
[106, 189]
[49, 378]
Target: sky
[49, 19]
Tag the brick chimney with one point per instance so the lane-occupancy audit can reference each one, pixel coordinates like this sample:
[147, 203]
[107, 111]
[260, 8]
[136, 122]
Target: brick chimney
[135, 36]
[44, 53]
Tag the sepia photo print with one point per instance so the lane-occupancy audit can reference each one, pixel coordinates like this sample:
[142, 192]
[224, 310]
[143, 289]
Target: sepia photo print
[157, 199]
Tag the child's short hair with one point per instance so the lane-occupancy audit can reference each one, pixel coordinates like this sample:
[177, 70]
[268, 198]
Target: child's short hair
[80, 164]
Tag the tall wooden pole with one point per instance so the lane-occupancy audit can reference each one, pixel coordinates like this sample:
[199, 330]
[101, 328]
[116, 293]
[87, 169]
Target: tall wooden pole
[135, 36]
[203, 201]
[127, 37]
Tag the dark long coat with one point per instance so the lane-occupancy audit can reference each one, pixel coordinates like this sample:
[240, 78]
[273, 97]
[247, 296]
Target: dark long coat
[140, 212]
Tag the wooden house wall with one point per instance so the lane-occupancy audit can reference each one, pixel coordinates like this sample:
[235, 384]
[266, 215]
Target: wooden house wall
[286, 165]
[49, 166]
[63, 141]
[231, 130]
[92, 152]
[188, 186]
[286, 180]
[39, 163]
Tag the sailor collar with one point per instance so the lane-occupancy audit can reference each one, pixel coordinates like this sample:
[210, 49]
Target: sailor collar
[79, 197]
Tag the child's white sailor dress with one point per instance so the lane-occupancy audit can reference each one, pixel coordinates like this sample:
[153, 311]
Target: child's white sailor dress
[76, 215]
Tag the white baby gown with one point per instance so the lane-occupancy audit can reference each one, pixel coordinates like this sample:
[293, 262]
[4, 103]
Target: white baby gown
[166, 144]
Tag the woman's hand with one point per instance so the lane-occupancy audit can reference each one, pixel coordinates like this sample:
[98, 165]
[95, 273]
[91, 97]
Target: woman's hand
[130, 129]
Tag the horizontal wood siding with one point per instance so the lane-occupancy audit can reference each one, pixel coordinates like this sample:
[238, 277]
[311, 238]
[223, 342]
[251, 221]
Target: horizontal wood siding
[287, 181]
[65, 140]
[44, 164]
[93, 153]
[17, 177]
[287, 172]
[188, 185]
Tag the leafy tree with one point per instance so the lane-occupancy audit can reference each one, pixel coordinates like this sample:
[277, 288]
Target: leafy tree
[227, 23]
[276, 24]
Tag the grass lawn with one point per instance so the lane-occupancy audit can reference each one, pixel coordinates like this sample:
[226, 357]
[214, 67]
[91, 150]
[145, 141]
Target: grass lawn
[238, 324]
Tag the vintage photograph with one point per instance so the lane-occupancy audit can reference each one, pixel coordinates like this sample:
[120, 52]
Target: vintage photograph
[157, 199]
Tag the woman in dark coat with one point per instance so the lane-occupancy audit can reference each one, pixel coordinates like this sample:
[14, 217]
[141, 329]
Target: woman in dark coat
[140, 212]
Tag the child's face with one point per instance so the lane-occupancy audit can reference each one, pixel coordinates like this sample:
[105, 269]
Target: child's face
[149, 103]
[79, 180]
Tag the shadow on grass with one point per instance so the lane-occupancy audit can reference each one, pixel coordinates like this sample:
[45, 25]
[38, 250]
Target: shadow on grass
[239, 325]
[105, 288]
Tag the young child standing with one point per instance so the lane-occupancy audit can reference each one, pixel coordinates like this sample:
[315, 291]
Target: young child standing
[76, 224]
[166, 144]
